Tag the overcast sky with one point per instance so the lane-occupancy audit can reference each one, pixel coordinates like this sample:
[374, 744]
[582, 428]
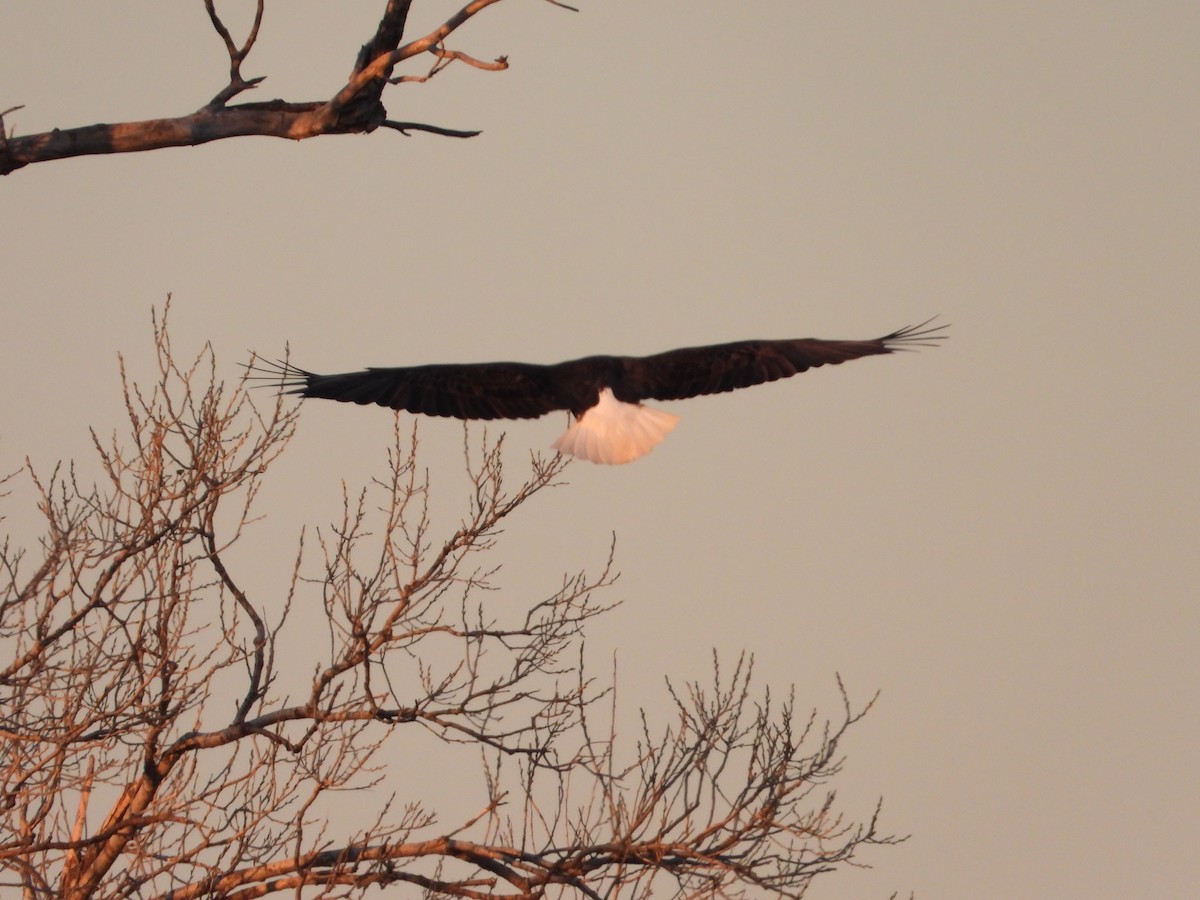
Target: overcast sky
[1000, 534]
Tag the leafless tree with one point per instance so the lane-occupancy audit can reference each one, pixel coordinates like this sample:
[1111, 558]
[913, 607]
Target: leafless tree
[161, 737]
[356, 107]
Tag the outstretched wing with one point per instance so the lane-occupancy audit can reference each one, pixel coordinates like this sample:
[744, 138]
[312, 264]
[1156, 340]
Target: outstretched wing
[507, 390]
[692, 371]
[473, 391]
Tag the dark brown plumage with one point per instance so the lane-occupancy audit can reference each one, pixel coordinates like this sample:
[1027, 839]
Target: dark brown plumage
[509, 390]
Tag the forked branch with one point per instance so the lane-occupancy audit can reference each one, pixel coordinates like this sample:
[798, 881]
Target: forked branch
[355, 108]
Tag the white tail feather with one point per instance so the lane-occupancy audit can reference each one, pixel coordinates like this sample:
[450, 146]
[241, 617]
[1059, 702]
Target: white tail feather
[613, 432]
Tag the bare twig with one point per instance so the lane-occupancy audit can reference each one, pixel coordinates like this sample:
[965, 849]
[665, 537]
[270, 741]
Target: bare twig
[405, 127]
[444, 58]
[4, 129]
[237, 55]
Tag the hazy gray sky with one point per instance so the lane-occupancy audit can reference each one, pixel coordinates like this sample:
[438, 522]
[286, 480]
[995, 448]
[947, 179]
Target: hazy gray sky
[1000, 534]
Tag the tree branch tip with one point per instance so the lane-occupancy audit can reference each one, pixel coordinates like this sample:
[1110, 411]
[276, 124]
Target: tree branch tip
[405, 127]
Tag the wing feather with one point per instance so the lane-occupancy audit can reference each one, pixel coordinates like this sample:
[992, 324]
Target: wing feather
[508, 390]
[693, 371]
[469, 391]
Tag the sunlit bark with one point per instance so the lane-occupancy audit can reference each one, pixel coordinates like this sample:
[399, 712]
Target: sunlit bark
[355, 107]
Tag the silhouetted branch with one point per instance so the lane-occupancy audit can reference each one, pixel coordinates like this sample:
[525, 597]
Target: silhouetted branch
[406, 127]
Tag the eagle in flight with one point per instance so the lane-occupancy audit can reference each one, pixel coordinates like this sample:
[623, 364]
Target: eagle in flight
[604, 394]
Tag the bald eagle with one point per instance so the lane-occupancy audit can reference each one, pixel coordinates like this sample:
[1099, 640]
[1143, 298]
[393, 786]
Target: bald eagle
[604, 394]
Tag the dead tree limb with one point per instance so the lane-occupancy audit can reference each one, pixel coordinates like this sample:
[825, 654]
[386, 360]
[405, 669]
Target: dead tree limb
[357, 107]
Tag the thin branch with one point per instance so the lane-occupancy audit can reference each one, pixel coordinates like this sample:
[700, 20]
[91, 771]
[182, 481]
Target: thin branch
[405, 127]
[237, 55]
[444, 58]
[4, 129]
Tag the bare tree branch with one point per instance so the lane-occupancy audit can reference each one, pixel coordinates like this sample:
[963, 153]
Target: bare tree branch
[237, 84]
[387, 36]
[406, 127]
[150, 745]
[355, 108]
[444, 58]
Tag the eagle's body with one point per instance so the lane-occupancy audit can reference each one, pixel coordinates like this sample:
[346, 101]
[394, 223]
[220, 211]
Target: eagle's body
[604, 393]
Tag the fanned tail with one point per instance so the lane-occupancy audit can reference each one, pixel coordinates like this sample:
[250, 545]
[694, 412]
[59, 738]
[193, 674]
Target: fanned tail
[612, 432]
